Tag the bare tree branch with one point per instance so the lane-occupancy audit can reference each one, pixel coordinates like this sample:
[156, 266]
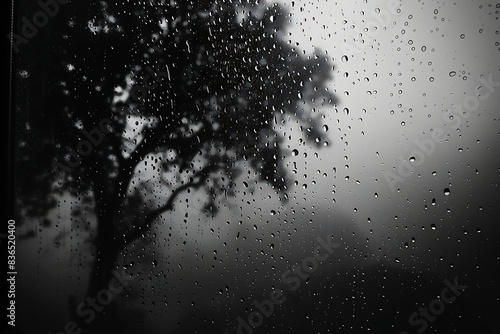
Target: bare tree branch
[154, 139]
[195, 182]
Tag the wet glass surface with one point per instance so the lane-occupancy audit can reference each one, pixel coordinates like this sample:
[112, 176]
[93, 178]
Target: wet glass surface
[256, 166]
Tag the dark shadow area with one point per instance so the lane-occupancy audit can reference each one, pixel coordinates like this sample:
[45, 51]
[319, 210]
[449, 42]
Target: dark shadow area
[126, 112]
[124, 107]
[350, 292]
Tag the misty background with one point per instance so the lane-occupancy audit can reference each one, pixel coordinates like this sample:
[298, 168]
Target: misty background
[198, 273]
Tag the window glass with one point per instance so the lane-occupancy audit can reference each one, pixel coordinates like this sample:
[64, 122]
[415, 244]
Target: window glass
[255, 166]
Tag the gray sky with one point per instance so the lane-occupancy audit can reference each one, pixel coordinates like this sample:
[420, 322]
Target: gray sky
[392, 101]
[394, 91]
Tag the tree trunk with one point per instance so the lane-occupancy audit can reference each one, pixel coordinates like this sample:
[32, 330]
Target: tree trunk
[105, 320]
[107, 251]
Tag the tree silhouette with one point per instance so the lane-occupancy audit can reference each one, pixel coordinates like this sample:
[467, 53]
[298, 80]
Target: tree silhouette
[128, 105]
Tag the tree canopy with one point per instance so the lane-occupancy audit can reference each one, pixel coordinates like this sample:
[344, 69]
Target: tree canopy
[184, 93]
